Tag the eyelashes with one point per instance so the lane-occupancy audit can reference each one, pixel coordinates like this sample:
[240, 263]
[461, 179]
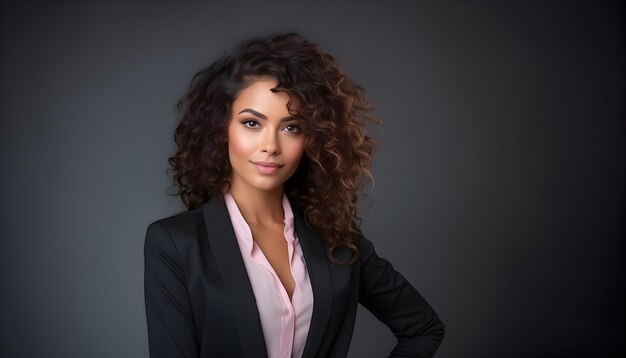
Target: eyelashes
[249, 123]
[292, 128]
[288, 127]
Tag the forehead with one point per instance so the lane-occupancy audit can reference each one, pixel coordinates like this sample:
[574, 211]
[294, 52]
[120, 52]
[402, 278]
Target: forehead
[259, 95]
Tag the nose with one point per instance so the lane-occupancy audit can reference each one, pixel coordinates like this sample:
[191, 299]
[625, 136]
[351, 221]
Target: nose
[270, 143]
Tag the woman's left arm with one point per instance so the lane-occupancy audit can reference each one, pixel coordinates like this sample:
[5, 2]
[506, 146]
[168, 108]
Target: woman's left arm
[392, 299]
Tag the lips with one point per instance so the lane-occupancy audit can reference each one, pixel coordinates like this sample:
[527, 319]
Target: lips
[267, 167]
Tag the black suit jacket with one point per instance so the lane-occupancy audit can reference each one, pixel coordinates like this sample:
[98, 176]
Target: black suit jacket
[199, 301]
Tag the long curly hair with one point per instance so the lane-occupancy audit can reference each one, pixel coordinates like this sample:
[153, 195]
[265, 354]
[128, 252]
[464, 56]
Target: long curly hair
[338, 150]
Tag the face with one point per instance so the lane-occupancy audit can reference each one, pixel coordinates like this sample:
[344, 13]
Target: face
[265, 142]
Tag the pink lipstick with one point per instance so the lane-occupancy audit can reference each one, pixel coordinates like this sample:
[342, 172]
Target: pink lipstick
[267, 167]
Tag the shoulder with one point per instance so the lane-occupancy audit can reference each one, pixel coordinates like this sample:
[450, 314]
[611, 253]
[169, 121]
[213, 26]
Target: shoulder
[179, 222]
[366, 249]
[189, 227]
[168, 233]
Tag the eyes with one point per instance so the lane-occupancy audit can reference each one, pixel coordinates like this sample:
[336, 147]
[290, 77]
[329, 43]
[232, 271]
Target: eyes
[292, 128]
[287, 127]
[250, 124]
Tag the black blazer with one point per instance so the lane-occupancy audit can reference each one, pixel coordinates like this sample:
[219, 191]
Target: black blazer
[199, 301]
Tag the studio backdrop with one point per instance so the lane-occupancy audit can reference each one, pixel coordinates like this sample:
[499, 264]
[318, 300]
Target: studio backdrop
[499, 186]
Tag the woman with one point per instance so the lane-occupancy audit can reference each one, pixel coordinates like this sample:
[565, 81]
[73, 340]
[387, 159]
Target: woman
[269, 260]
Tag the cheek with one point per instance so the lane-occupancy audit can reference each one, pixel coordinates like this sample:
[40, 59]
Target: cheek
[238, 145]
[296, 150]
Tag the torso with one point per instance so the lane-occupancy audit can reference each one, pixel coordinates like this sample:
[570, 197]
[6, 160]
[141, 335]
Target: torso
[273, 244]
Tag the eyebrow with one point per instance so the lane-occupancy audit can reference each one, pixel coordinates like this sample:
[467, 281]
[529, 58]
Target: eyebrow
[252, 111]
[263, 116]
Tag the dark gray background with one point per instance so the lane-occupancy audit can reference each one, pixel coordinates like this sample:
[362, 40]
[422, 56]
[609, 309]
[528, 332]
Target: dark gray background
[499, 188]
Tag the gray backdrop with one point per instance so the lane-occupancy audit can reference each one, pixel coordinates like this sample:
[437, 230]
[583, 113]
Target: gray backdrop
[499, 188]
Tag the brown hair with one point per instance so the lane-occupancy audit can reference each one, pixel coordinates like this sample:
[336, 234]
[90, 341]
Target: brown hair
[338, 150]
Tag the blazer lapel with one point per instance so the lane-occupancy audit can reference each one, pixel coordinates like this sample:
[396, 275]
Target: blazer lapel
[315, 255]
[235, 278]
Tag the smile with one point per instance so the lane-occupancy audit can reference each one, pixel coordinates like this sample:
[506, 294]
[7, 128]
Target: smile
[267, 167]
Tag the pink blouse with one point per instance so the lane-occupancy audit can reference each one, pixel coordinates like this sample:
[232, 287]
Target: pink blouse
[285, 322]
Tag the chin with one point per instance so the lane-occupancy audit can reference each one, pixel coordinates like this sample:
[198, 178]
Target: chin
[268, 186]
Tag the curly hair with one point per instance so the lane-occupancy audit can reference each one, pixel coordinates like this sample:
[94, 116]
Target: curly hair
[338, 150]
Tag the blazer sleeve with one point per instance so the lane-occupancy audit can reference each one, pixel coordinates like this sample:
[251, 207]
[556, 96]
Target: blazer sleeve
[171, 331]
[392, 299]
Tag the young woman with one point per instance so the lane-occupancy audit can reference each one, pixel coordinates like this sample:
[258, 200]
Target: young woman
[269, 260]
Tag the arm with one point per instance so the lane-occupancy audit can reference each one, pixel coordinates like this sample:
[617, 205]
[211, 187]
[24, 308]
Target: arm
[392, 299]
[171, 331]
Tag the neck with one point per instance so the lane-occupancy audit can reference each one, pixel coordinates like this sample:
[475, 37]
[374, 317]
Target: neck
[260, 207]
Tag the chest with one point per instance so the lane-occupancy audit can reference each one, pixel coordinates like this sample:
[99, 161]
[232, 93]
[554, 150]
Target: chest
[277, 251]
